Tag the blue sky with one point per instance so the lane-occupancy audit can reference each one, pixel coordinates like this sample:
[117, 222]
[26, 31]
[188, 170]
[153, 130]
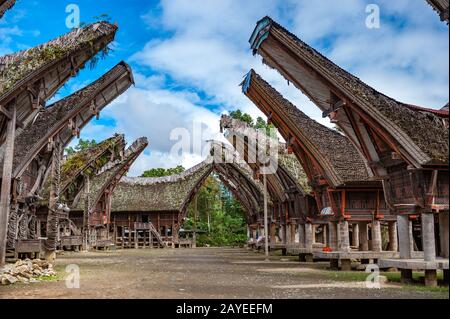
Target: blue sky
[189, 56]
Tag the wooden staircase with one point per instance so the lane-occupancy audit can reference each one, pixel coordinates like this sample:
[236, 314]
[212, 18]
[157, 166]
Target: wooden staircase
[74, 228]
[157, 235]
[140, 235]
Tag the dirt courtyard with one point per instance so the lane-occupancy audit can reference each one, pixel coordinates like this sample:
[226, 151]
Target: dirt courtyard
[202, 273]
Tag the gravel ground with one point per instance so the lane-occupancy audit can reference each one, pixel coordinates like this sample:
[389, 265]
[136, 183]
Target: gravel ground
[200, 273]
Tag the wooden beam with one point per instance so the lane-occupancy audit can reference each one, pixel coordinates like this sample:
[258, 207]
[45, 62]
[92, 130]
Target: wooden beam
[5, 112]
[6, 183]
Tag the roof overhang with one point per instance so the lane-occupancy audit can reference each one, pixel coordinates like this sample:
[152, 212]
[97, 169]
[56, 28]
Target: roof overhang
[82, 107]
[441, 7]
[107, 180]
[289, 130]
[29, 93]
[332, 90]
[6, 5]
[245, 139]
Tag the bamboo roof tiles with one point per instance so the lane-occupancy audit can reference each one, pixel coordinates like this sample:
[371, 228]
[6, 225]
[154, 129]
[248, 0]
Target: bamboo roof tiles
[174, 193]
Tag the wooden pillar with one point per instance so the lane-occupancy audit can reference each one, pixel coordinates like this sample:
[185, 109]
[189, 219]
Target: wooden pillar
[404, 235]
[38, 228]
[5, 195]
[273, 230]
[282, 233]
[301, 235]
[332, 235]
[355, 235]
[52, 217]
[314, 227]
[288, 233]
[377, 244]
[194, 234]
[292, 233]
[363, 236]
[393, 237]
[86, 225]
[308, 236]
[324, 234]
[344, 232]
[428, 241]
[136, 239]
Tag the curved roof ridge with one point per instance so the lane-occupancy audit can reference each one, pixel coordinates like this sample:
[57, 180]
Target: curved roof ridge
[18, 64]
[423, 146]
[337, 153]
[147, 181]
[6, 5]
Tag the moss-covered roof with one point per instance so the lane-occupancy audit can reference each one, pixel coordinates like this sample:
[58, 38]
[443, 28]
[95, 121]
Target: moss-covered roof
[158, 194]
[17, 66]
[92, 158]
[53, 118]
[173, 193]
[109, 175]
[6, 5]
[425, 133]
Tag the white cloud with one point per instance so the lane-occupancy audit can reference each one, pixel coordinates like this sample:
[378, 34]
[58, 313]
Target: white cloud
[6, 38]
[207, 53]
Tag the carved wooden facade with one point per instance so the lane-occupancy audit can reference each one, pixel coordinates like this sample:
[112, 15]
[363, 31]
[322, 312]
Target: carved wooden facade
[336, 172]
[405, 146]
[27, 80]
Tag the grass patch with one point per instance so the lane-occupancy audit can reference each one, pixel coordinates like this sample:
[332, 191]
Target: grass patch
[393, 277]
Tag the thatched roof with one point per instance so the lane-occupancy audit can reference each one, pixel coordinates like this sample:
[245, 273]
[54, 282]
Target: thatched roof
[293, 167]
[31, 77]
[80, 108]
[169, 193]
[174, 193]
[441, 7]
[421, 136]
[92, 159]
[109, 176]
[286, 163]
[237, 175]
[5, 5]
[333, 151]
[88, 162]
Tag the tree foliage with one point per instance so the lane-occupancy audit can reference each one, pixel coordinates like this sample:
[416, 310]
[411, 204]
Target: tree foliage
[81, 146]
[227, 224]
[260, 123]
[160, 172]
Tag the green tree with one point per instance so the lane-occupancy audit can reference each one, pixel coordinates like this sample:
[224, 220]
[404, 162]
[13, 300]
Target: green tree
[81, 146]
[160, 172]
[220, 216]
[244, 117]
[259, 124]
